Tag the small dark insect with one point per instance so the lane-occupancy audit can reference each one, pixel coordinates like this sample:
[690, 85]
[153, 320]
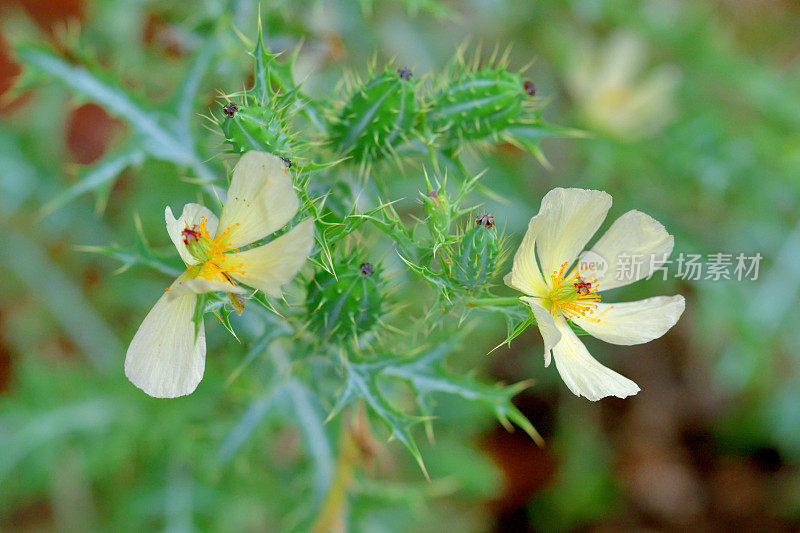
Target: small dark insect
[287, 162]
[582, 286]
[530, 88]
[366, 269]
[230, 109]
[404, 73]
[485, 220]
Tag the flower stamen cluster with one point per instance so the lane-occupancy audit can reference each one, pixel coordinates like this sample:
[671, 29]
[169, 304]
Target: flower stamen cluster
[571, 294]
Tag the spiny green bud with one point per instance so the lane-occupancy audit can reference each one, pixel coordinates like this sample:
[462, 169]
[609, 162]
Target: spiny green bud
[348, 304]
[255, 128]
[480, 255]
[477, 105]
[438, 209]
[378, 116]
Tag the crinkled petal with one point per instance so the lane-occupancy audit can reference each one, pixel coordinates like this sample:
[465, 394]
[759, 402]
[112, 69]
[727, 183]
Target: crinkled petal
[569, 218]
[269, 267]
[525, 275]
[631, 249]
[581, 372]
[547, 327]
[633, 322]
[190, 216]
[261, 199]
[165, 359]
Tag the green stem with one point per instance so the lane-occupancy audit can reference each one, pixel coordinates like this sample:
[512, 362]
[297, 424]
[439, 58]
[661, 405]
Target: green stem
[461, 167]
[509, 301]
[434, 159]
[383, 190]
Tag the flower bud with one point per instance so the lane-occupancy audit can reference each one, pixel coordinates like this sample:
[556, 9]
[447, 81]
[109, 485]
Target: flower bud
[438, 209]
[348, 304]
[480, 255]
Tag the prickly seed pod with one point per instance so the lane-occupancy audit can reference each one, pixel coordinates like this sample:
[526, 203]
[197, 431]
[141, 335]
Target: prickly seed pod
[256, 128]
[378, 116]
[348, 304]
[476, 105]
[480, 255]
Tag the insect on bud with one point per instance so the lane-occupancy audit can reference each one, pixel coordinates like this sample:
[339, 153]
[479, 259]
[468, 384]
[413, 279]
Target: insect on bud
[366, 269]
[230, 109]
[530, 88]
[287, 162]
[485, 220]
[479, 255]
[404, 73]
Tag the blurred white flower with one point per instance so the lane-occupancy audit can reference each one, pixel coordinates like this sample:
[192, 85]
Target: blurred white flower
[566, 221]
[613, 93]
[166, 357]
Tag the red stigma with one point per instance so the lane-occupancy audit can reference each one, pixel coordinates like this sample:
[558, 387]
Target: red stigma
[582, 287]
[190, 235]
[485, 220]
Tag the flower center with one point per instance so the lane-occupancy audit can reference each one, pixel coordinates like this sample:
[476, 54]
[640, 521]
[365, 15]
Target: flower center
[572, 295]
[216, 258]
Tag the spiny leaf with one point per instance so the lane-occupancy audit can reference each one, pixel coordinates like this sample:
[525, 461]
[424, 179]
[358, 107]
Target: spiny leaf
[362, 383]
[219, 309]
[158, 134]
[132, 256]
[154, 135]
[426, 374]
[105, 171]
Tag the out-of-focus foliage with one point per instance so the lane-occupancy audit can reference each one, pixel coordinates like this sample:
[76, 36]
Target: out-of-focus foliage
[691, 116]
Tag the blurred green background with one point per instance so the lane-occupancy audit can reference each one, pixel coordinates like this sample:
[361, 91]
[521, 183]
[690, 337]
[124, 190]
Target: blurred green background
[692, 111]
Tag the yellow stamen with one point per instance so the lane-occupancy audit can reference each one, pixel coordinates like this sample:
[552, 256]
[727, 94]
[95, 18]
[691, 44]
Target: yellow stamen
[218, 258]
[572, 295]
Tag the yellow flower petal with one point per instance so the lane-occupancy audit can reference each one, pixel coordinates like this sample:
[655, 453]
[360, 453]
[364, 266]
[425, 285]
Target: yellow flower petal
[525, 275]
[569, 218]
[194, 286]
[547, 327]
[633, 322]
[164, 358]
[260, 201]
[581, 372]
[638, 236]
[273, 265]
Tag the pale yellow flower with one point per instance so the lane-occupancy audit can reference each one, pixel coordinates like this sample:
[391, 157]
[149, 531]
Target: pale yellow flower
[166, 358]
[556, 293]
[614, 93]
